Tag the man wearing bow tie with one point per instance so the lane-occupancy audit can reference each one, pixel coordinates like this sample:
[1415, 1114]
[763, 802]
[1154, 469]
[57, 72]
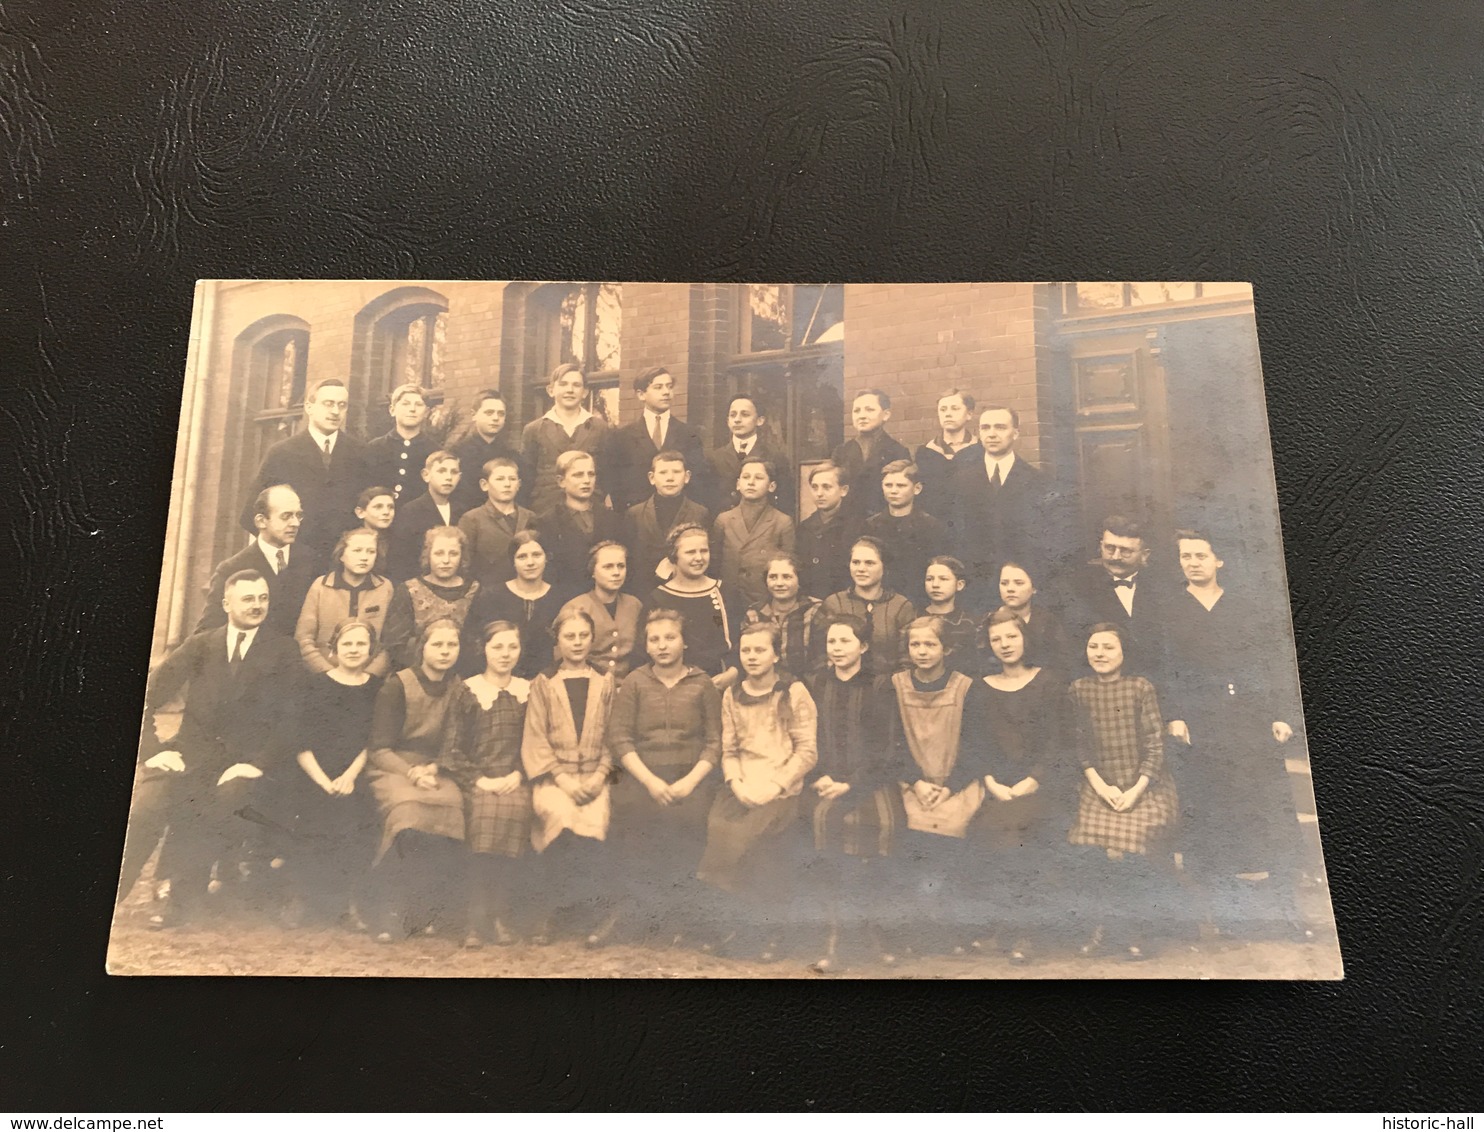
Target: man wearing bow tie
[1116, 587]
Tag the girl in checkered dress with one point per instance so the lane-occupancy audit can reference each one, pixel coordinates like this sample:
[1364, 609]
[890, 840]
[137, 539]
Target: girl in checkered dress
[1128, 807]
[497, 797]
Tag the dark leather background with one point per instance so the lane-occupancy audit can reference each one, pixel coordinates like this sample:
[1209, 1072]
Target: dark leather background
[1330, 152]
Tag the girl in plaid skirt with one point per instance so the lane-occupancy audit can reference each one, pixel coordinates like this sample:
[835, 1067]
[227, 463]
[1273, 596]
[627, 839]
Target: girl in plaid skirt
[497, 797]
[1128, 806]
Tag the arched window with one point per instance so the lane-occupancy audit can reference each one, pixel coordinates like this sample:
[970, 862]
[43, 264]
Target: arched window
[579, 323]
[399, 338]
[269, 362]
[271, 358]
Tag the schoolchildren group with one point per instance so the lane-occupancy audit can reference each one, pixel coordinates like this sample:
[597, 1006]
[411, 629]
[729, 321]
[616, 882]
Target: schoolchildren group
[598, 684]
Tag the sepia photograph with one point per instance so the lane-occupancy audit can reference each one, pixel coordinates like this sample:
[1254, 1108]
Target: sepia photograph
[723, 630]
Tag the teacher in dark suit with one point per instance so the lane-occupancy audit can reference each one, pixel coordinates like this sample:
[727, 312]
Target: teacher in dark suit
[1005, 507]
[324, 464]
[1116, 588]
[212, 782]
[632, 448]
[276, 556]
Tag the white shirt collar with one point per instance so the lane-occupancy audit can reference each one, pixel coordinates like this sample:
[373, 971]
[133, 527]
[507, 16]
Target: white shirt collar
[582, 418]
[744, 447]
[270, 552]
[651, 416]
[321, 437]
[1005, 462]
[444, 509]
[248, 636]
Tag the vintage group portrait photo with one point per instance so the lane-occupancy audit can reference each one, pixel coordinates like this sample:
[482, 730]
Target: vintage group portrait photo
[723, 630]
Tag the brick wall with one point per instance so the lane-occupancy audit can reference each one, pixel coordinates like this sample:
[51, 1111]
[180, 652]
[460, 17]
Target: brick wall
[916, 340]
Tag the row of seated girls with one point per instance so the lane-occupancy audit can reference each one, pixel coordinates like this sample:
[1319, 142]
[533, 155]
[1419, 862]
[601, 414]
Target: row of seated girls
[847, 780]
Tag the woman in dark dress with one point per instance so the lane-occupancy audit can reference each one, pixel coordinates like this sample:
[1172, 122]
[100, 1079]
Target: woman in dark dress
[441, 592]
[1228, 701]
[1023, 821]
[528, 601]
[414, 736]
[334, 823]
[497, 797]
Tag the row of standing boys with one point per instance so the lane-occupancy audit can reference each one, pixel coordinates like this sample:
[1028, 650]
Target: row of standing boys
[878, 702]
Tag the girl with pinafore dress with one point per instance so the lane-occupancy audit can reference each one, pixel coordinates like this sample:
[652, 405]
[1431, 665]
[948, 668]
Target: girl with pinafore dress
[414, 735]
[567, 760]
[497, 797]
[855, 805]
[665, 733]
[768, 747]
[1127, 809]
[950, 748]
[441, 592]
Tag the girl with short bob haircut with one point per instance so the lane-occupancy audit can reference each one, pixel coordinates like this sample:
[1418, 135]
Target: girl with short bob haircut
[1128, 806]
[885, 612]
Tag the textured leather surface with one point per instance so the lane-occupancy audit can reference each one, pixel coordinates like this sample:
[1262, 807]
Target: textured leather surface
[1330, 152]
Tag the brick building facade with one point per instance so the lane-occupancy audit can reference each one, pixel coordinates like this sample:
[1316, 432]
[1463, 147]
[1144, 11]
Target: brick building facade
[1116, 384]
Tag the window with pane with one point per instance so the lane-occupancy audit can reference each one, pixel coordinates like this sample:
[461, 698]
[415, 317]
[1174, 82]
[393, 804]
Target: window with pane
[276, 364]
[1093, 298]
[789, 350]
[409, 347]
[580, 324]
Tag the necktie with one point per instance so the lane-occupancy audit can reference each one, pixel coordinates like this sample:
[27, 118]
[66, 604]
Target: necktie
[1121, 582]
[327, 453]
[236, 661]
[282, 562]
[994, 480]
[657, 433]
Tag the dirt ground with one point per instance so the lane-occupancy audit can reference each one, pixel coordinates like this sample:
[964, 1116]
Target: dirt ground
[227, 947]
